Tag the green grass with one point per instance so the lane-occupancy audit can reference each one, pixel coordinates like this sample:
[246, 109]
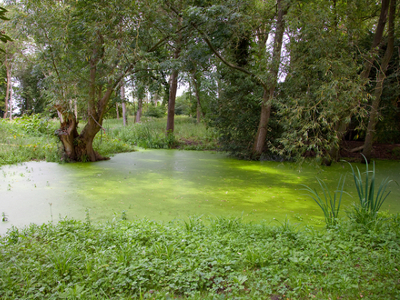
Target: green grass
[19, 143]
[150, 133]
[200, 259]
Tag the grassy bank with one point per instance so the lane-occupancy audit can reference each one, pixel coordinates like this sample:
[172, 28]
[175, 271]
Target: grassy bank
[32, 138]
[28, 139]
[225, 259]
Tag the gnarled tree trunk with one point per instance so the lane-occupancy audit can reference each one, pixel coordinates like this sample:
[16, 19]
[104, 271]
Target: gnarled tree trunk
[77, 147]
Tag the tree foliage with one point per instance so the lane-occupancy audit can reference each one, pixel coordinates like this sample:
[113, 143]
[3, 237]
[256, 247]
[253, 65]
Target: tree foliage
[283, 78]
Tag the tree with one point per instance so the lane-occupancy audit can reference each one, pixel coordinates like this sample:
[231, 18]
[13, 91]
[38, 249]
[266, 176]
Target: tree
[92, 45]
[322, 88]
[3, 36]
[250, 23]
[31, 98]
[381, 75]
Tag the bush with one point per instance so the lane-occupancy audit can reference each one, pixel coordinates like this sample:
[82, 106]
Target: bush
[155, 111]
[35, 124]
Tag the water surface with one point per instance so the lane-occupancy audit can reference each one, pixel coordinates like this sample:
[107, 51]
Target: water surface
[171, 184]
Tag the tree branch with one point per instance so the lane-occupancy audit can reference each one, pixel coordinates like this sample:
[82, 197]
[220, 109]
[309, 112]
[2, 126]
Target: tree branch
[208, 42]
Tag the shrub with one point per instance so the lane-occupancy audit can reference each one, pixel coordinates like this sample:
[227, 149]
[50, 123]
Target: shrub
[155, 111]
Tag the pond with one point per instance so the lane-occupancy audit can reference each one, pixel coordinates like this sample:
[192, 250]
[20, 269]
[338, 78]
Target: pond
[173, 184]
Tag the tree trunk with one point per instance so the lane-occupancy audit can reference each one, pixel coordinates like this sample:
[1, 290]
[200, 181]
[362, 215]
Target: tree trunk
[117, 110]
[377, 40]
[8, 72]
[197, 93]
[263, 124]
[373, 118]
[79, 147]
[124, 113]
[76, 109]
[173, 87]
[123, 104]
[171, 100]
[367, 67]
[10, 102]
[139, 110]
[268, 94]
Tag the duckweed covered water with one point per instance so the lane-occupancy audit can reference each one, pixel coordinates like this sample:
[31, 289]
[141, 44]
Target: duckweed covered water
[171, 184]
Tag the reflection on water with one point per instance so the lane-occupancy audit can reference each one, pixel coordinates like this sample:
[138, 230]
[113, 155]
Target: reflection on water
[168, 184]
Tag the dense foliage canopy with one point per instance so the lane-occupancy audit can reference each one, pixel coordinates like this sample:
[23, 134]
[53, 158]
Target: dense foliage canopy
[282, 79]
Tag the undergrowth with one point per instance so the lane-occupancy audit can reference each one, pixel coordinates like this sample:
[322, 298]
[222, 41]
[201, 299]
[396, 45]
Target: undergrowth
[23, 140]
[150, 133]
[218, 259]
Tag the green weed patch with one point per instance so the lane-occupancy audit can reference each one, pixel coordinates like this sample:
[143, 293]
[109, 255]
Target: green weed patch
[217, 259]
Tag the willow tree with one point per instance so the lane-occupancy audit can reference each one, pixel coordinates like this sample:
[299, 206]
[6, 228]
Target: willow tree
[90, 45]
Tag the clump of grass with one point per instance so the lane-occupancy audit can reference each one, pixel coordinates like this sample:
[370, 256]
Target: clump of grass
[329, 205]
[369, 202]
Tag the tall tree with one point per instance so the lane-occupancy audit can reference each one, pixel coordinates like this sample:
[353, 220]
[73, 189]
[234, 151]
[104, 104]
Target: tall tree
[322, 87]
[260, 20]
[381, 75]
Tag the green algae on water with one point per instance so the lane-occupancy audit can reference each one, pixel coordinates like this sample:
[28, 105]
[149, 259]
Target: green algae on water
[173, 184]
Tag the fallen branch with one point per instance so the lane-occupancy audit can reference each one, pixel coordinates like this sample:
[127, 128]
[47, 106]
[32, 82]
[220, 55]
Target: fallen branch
[356, 149]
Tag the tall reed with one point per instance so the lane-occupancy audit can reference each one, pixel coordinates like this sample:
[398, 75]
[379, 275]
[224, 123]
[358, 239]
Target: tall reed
[369, 202]
[329, 205]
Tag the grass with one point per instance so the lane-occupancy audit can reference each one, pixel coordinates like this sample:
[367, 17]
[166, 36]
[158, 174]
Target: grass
[19, 143]
[218, 259]
[150, 133]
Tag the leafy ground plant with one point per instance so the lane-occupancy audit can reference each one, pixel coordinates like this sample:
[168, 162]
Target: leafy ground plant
[329, 205]
[222, 259]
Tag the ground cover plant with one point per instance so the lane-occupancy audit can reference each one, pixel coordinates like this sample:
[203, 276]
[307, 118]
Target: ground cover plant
[200, 259]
